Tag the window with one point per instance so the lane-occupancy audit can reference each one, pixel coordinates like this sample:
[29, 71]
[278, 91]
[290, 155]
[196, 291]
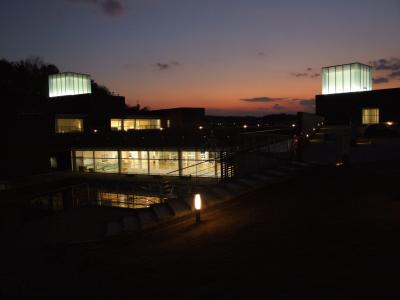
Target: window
[84, 161]
[370, 116]
[129, 124]
[106, 161]
[134, 162]
[116, 124]
[123, 200]
[69, 125]
[148, 124]
[164, 162]
[199, 164]
[193, 163]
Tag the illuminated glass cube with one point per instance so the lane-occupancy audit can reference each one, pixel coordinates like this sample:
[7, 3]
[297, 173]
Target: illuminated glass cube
[355, 77]
[67, 84]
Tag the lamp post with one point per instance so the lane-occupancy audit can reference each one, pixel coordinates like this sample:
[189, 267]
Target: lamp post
[197, 207]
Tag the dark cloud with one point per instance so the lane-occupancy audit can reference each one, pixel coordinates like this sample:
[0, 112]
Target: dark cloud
[162, 66]
[109, 7]
[383, 64]
[299, 74]
[167, 66]
[315, 75]
[395, 74]
[380, 80]
[278, 107]
[112, 7]
[261, 99]
[309, 69]
[307, 102]
[261, 53]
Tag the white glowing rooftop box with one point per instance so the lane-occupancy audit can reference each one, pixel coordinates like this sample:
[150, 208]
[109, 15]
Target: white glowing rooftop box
[67, 84]
[354, 77]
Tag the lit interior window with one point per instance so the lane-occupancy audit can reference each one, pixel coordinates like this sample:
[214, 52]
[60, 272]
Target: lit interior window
[148, 124]
[193, 163]
[123, 200]
[370, 116]
[69, 125]
[129, 124]
[116, 124]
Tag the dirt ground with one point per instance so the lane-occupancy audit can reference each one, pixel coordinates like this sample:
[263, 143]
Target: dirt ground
[330, 234]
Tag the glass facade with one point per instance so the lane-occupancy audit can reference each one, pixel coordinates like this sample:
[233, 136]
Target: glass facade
[202, 164]
[67, 84]
[69, 125]
[370, 116]
[123, 200]
[149, 162]
[134, 124]
[347, 78]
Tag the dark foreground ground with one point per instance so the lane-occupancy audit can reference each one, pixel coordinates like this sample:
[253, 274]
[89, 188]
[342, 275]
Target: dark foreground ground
[332, 234]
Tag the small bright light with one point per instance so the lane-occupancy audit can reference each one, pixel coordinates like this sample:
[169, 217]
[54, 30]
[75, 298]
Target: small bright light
[258, 125]
[307, 135]
[95, 130]
[313, 129]
[338, 164]
[197, 202]
[244, 126]
[389, 123]
[161, 128]
[293, 125]
[200, 127]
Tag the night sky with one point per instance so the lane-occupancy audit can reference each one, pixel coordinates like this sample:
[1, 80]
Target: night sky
[247, 57]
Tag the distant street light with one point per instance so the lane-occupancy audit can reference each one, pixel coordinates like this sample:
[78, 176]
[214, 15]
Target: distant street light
[197, 207]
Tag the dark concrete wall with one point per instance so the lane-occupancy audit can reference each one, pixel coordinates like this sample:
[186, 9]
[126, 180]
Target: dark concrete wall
[346, 108]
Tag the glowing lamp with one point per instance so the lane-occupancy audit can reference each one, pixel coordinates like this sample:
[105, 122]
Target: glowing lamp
[293, 125]
[245, 126]
[197, 207]
[200, 127]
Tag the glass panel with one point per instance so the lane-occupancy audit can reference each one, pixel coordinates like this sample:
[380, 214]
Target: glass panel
[126, 200]
[116, 124]
[370, 116]
[339, 79]
[346, 78]
[129, 124]
[84, 161]
[106, 161]
[76, 84]
[325, 81]
[50, 86]
[331, 78]
[148, 123]
[199, 164]
[134, 162]
[355, 77]
[69, 125]
[89, 85]
[164, 162]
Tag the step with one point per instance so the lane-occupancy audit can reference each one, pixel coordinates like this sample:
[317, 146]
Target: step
[178, 207]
